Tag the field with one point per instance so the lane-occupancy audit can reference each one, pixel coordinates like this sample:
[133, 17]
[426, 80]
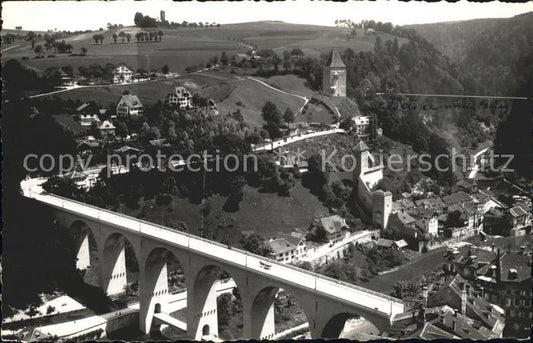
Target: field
[409, 272]
[180, 48]
[264, 213]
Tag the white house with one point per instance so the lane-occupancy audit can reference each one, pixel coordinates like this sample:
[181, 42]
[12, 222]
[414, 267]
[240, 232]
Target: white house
[107, 129]
[285, 251]
[180, 98]
[361, 124]
[129, 105]
[122, 74]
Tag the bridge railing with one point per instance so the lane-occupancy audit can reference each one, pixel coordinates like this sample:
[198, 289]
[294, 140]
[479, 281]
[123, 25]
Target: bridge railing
[320, 283]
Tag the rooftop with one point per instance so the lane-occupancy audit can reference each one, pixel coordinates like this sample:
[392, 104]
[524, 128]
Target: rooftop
[332, 224]
[456, 198]
[334, 60]
[280, 246]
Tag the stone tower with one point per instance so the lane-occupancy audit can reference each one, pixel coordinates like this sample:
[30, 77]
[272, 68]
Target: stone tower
[334, 78]
[381, 208]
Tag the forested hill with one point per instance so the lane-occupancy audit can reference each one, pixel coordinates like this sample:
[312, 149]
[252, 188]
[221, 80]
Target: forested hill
[492, 52]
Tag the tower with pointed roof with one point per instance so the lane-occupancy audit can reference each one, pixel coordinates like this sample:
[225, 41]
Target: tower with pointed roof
[373, 205]
[334, 77]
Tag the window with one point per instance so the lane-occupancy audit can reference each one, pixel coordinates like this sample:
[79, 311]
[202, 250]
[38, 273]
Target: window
[516, 302]
[511, 313]
[508, 302]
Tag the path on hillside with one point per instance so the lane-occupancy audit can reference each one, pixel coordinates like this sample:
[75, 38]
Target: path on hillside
[11, 47]
[246, 45]
[283, 92]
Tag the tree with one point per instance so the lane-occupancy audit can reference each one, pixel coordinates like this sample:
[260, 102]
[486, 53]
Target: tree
[255, 244]
[115, 38]
[271, 113]
[224, 309]
[165, 69]
[160, 34]
[38, 50]
[32, 312]
[128, 37]
[273, 130]
[288, 115]
[50, 309]
[83, 51]
[224, 59]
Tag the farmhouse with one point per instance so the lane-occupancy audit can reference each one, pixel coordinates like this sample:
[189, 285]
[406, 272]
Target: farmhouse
[181, 98]
[122, 74]
[106, 129]
[66, 80]
[129, 105]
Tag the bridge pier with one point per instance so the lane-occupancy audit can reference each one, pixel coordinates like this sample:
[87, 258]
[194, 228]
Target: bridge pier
[153, 291]
[258, 315]
[202, 318]
[113, 267]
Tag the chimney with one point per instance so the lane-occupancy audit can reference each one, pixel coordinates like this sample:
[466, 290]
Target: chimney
[454, 326]
[463, 300]
[492, 247]
[522, 250]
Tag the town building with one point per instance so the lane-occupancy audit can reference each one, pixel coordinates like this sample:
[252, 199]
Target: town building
[129, 105]
[122, 74]
[287, 252]
[518, 220]
[452, 311]
[507, 283]
[181, 98]
[383, 243]
[360, 125]
[334, 226]
[334, 77]
[107, 129]
[501, 279]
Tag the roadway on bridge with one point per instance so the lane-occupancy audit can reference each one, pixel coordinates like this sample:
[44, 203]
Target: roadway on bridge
[285, 274]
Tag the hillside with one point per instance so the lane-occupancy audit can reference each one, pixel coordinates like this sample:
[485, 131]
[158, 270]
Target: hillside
[180, 48]
[491, 52]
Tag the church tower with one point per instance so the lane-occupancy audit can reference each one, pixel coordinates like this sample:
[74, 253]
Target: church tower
[334, 78]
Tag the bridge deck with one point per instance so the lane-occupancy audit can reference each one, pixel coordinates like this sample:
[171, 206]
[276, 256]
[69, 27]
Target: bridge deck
[348, 293]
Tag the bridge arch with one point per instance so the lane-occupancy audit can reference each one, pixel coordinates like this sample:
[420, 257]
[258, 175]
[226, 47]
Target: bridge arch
[271, 307]
[336, 325]
[214, 293]
[162, 274]
[85, 245]
[118, 256]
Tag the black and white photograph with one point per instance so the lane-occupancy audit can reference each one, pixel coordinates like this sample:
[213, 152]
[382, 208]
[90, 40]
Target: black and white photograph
[266, 170]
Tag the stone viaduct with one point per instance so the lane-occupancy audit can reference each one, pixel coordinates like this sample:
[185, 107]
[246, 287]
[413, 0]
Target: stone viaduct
[326, 302]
